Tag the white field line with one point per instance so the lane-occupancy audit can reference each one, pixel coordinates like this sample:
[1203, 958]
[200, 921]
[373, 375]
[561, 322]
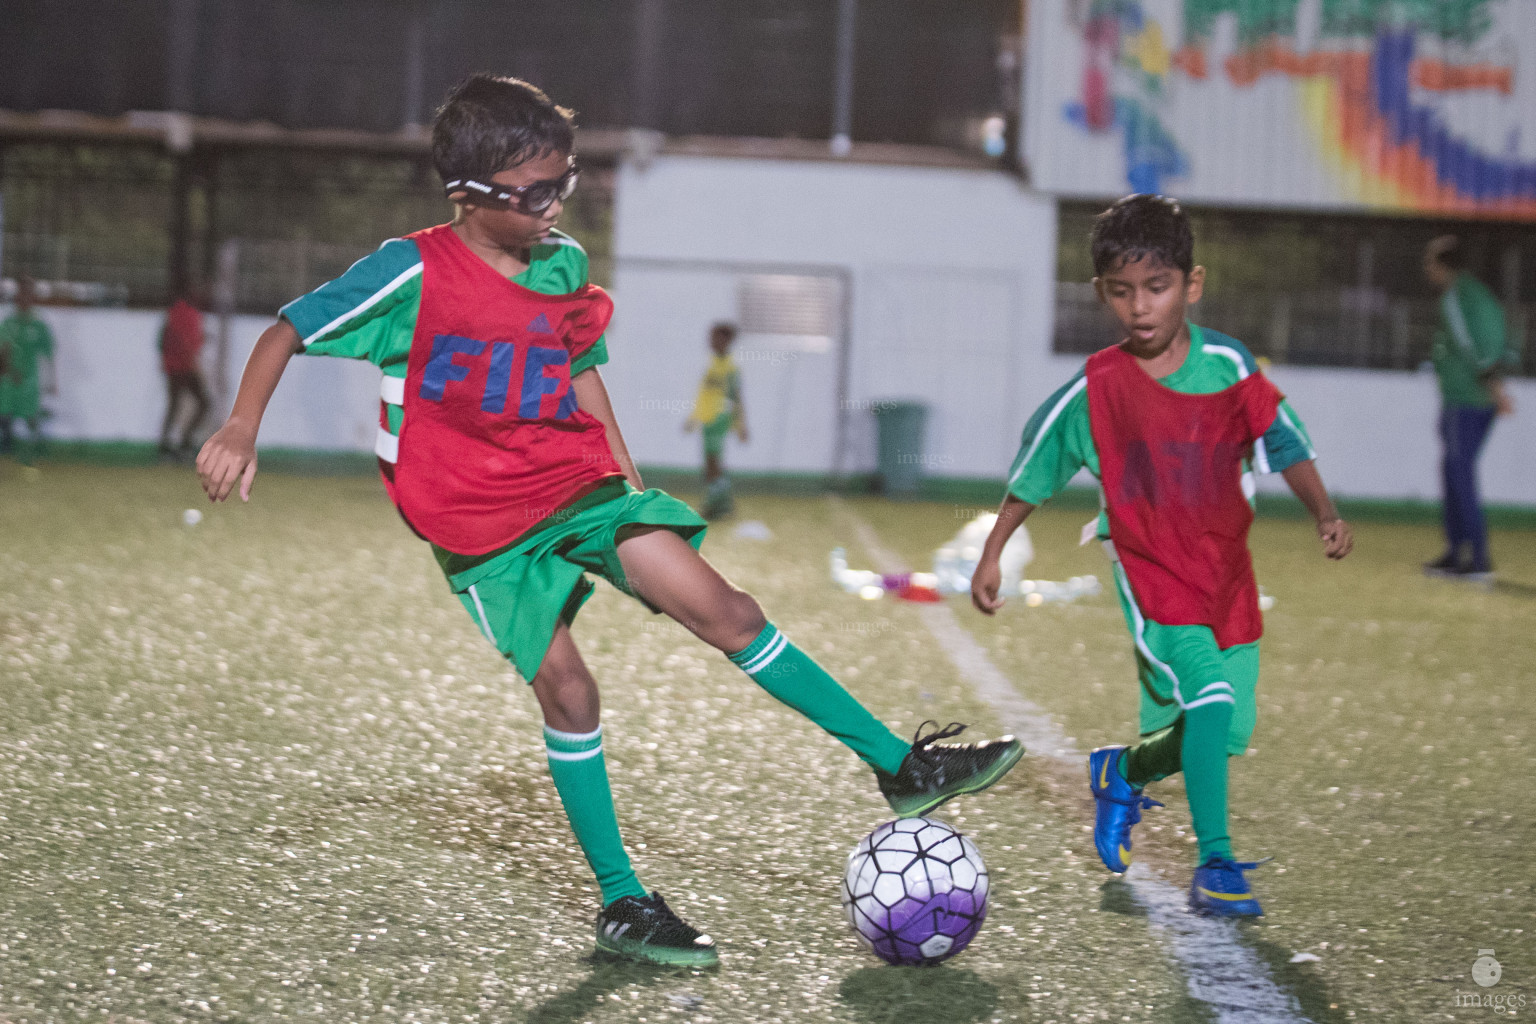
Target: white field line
[1220, 971]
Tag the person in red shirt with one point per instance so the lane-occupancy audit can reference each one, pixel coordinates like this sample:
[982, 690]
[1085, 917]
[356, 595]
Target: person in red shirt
[181, 349]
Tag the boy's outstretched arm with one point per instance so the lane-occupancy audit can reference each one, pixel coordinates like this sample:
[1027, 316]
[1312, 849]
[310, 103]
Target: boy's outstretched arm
[592, 397]
[230, 454]
[989, 574]
[1304, 481]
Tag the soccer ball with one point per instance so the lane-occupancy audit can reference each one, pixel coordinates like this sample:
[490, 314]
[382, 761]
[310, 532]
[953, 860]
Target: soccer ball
[915, 891]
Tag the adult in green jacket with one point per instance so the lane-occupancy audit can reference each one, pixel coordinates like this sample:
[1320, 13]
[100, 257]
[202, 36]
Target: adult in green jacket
[1471, 353]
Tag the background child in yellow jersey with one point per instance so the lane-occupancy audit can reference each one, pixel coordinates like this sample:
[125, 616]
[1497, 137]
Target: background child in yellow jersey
[717, 410]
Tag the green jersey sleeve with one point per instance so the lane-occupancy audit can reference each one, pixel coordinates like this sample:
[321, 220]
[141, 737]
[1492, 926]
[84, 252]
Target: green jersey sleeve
[559, 266]
[1222, 362]
[1057, 442]
[1286, 442]
[369, 312]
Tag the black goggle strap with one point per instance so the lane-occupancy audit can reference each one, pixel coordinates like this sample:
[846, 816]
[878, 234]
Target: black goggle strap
[560, 188]
[480, 190]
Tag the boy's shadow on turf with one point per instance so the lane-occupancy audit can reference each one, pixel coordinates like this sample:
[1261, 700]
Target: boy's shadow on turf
[608, 976]
[897, 995]
[1115, 897]
[1300, 980]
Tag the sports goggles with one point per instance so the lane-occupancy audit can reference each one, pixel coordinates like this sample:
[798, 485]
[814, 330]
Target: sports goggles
[534, 197]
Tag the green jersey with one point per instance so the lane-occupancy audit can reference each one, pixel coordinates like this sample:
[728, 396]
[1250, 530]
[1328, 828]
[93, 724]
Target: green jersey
[1471, 343]
[1058, 439]
[26, 341]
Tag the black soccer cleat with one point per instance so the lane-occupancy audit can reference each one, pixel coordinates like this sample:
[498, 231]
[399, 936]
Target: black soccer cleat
[932, 773]
[647, 929]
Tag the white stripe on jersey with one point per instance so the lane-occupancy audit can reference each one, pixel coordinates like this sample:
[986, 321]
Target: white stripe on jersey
[366, 304]
[1260, 453]
[386, 446]
[1311, 454]
[392, 390]
[1045, 426]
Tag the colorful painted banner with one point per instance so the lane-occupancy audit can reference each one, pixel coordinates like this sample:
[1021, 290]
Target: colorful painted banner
[1398, 105]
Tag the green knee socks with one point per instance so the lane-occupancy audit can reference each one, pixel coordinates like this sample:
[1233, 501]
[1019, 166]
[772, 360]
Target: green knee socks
[1156, 757]
[1196, 745]
[581, 778]
[789, 674]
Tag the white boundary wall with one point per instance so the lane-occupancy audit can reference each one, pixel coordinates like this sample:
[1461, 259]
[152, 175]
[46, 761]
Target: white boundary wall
[951, 272]
[925, 248]
[952, 277]
[111, 389]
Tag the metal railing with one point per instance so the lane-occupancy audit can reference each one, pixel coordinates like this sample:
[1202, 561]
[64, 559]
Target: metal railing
[1344, 327]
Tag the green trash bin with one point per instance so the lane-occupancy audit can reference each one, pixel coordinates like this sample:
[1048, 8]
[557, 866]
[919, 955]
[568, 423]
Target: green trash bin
[900, 429]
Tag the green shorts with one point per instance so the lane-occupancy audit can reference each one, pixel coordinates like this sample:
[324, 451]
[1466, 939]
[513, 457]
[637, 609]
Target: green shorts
[1181, 666]
[518, 596]
[714, 433]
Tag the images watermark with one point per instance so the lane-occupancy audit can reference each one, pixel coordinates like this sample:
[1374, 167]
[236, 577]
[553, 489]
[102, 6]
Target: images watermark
[871, 628]
[1486, 974]
[677, 406]
[864, 405]
[928, 460]
[771, 356]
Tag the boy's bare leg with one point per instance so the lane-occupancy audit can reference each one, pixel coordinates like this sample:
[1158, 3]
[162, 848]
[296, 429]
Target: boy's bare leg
[666, 571]
[573, 740]
[565, 689]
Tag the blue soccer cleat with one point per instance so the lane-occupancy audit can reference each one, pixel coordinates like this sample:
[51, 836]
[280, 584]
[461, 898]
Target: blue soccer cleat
[1119, 808]
[1220, 890]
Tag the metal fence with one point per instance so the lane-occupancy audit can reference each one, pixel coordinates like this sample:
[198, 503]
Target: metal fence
[1338, 328]
[95, 224]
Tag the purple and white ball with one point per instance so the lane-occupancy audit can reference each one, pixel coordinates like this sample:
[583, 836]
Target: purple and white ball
[915, 891]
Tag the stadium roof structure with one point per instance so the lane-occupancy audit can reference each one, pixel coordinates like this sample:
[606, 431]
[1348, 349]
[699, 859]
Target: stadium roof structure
[183, 133]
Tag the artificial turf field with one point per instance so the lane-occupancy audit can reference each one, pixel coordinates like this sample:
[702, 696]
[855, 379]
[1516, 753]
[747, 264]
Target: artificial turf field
[266, 768]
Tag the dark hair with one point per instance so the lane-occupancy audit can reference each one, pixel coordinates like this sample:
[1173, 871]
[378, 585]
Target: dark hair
[491, 122]
[1447, 251]
[1142, 226]
[724, 327]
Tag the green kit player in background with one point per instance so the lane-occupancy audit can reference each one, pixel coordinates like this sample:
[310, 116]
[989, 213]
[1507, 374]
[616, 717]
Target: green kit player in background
[718, 410]
[1172, 421]
[26, 346]
[498, 444]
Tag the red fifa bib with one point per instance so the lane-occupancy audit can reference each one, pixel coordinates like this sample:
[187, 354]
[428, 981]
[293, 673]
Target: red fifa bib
[1171, 465]
[492, 441]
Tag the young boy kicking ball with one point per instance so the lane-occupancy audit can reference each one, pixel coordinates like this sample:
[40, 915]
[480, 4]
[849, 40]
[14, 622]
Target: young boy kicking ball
[1172, 420]
[498, 445]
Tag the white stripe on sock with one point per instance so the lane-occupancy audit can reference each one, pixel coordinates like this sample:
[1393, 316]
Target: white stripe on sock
[767, 655]
[572, 737]
[579, 755]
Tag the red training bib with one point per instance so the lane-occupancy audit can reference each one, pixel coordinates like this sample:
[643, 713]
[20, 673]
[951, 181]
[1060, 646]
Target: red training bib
[492, 440]
[1171, 464]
